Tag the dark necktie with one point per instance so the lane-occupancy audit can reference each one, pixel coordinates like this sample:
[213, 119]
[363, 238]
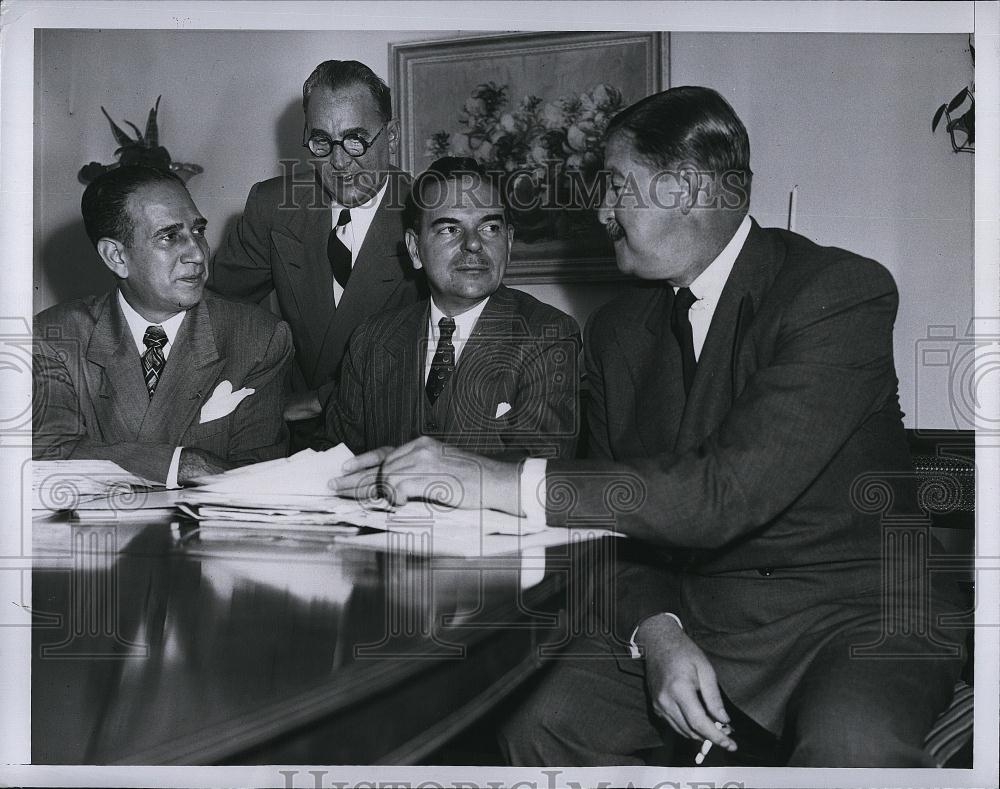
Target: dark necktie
[443, 364]
[338, 253]
[153, 360]
[680, 325]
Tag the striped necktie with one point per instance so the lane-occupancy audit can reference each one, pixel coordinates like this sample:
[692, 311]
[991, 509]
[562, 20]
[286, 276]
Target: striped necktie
[153, 359]
[338, 253]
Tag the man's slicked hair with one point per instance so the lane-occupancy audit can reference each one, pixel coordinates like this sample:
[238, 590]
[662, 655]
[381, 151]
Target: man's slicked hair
[336, 74]
[104, 204]
[687, 126]
[462, 169]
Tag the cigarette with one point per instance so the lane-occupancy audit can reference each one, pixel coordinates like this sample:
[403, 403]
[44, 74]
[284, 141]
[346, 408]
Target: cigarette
[706, 746]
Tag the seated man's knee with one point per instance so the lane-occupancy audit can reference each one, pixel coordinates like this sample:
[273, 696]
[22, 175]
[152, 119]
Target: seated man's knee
[527, 738]
[850, 748]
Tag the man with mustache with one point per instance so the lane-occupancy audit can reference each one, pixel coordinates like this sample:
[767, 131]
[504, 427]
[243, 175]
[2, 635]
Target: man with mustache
[331, 250]
[477, 365]
[167, 381]
[743, 393]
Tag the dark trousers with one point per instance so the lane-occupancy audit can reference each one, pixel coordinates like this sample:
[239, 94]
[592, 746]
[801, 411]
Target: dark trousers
[846, 712]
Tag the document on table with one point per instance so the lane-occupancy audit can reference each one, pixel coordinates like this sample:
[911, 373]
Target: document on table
[292, 495]
[306, 473]
[70, 484]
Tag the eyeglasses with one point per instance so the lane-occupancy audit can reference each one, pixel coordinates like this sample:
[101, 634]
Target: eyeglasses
[354, 145]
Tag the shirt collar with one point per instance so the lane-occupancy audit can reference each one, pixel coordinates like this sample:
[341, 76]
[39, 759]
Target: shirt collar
[464, 323]
[708, 285]
[362, 215]
[138, 325]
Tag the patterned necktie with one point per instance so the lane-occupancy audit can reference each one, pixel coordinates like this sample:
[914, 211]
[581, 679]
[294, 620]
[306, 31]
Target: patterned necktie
[153, 360]
[680, 325]
[338, 253]
[443, 363]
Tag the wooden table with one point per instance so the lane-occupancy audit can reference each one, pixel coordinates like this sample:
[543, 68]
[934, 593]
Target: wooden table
[154, 646]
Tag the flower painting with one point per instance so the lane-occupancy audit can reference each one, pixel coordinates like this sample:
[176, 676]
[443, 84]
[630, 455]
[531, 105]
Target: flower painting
[544, 149]
[533, 108]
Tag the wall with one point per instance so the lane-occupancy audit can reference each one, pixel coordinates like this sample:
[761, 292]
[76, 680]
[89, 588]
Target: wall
[846, 117]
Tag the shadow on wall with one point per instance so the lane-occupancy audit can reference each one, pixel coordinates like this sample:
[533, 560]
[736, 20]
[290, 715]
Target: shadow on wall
[288, 135]
[71, 267]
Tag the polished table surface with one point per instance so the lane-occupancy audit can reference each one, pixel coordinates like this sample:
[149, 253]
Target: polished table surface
[153, 645]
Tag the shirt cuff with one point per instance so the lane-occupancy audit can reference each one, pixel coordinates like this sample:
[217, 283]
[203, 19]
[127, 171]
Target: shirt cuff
[633, 648]
[532, 489]
[175, 464]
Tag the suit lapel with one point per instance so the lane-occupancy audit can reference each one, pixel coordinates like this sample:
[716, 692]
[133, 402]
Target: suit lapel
[187, 379]
[480, 372]
[653, 359]
[121, 398]
[376, 274]
[715, 382]
[301, 245]
[401, 367]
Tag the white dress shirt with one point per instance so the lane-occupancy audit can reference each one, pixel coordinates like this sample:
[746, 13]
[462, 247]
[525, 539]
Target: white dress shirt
[353, 233]
[707, 287]
[465, 323]
[137, 326]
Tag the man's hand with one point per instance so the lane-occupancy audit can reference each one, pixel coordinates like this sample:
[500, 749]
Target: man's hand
[303, 405]
[681, 682]
[195, 463]
[429, 470]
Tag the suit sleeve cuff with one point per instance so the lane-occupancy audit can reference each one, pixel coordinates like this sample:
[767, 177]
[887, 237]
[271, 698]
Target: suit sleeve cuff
[175, 464]
[532, 489]
[633, 648]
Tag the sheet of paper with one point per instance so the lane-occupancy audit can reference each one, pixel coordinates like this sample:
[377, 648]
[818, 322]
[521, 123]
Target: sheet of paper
[136, 500]
[69, 484]
[306, 473]
[445, 519]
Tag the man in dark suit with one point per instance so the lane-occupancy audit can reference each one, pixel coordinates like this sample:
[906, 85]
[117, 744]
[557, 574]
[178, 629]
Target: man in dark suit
[477, 365]
[165, 380]
[333, 255]
[741, 394]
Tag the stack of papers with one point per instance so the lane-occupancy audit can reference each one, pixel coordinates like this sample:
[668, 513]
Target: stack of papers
[291, 498]
[94, 484]
[288, 496]
[292, 495]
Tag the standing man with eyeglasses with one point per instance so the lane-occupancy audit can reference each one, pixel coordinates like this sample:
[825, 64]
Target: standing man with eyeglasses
[333, 255]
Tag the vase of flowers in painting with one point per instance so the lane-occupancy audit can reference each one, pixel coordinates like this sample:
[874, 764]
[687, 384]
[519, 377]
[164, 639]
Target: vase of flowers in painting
[547, 155]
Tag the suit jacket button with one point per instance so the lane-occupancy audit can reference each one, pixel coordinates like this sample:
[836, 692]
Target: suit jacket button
[766, 571]
[430, 427]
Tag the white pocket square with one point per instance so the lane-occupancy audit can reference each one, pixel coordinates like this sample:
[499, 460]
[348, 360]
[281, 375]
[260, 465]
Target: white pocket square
[502, 408]
[223, 401]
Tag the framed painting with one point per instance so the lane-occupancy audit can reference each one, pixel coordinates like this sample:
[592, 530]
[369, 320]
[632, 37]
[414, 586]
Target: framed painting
[533, 108]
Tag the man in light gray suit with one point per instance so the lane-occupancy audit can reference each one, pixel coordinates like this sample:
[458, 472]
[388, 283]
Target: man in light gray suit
[167, 381]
